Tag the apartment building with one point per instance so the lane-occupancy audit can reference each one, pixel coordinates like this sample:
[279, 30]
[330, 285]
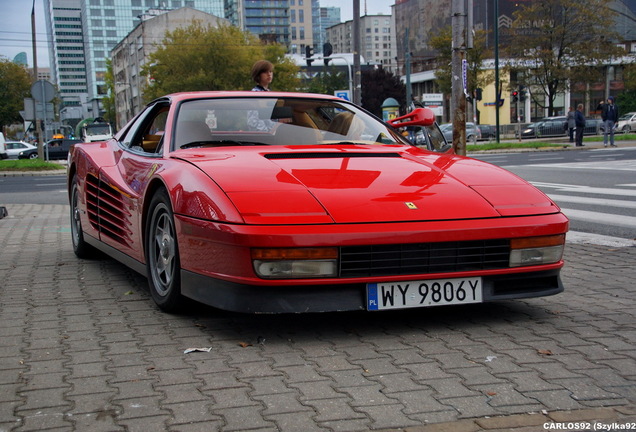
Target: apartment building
[377, 39]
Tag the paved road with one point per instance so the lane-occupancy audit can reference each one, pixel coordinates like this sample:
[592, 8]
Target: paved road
[83, 348]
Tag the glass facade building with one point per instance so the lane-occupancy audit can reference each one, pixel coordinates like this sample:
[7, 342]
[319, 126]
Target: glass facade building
[82, 34]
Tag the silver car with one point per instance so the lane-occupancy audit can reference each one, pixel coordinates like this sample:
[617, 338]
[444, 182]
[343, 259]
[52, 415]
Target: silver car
[472, 132]
[626, 123]
[15, 147]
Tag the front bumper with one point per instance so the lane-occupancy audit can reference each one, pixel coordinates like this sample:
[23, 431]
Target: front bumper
[343, 297]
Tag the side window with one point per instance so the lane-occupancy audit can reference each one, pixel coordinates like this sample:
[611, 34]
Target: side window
[146, 132]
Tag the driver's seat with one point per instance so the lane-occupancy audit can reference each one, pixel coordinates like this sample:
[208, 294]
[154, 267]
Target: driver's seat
[192, 131]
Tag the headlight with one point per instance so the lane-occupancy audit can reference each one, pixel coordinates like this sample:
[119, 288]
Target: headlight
[295, 263]
[536, 250]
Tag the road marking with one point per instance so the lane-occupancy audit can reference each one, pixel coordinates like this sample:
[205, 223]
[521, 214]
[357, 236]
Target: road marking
[577, 237]
[586, 189]
[593, 201]
[598, 217]
[616, 165]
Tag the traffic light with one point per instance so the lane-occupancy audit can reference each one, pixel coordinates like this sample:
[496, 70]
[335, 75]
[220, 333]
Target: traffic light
[522, 93]
[515, 96]
[309, 51]
[327, 50]
[478, 94]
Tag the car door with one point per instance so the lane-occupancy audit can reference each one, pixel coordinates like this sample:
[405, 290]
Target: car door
[139, 159]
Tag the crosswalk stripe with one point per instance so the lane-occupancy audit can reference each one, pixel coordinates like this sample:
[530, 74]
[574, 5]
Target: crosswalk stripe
[593, 201]
[616, 165]
[586, 189]
[598, 217]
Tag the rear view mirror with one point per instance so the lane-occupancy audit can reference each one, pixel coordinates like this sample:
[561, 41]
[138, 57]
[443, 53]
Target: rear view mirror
[418, 117]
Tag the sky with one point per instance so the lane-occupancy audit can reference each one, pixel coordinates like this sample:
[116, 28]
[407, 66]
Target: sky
[373, 7]
[15, 24]
[15, 30]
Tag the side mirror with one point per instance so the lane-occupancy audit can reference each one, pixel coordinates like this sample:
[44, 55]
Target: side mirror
[417, 117]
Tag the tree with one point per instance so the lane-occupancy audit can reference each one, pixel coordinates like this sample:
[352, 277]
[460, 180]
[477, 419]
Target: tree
[477, 77]
[15, 85]
[327, 82]
[627, 100]
[377, 86]
[213, 58]
[559, 42]
[108, 102]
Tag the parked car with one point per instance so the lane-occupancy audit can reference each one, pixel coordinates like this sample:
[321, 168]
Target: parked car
[56, 149]
[428, 137]
[3, 151]
[546, 127]
[472, 132]
[292, 202]
[488, 132]
[593, 126]
[15, 147]
[626, 123]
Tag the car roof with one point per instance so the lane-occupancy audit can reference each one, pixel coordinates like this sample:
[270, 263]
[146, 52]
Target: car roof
[251, 94]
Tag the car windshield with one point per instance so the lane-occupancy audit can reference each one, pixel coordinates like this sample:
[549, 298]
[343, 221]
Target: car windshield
[92, 130]
[278, 121]
[627, 116]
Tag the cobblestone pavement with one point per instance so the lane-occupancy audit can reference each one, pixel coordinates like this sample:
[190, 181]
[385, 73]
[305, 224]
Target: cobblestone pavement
[83, 348]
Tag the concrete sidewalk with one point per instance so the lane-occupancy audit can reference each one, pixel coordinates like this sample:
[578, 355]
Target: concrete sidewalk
[83, 348]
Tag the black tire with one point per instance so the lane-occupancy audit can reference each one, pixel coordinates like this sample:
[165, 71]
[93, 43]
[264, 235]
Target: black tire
[627, 129]
[80, 247]
[162, 254]
[33, 155]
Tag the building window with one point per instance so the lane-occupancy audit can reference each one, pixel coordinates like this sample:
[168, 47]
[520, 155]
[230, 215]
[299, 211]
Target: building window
[301, 16]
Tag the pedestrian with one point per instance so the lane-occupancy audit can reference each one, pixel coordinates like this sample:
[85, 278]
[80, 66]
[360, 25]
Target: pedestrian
[580, 125]
[571, 122]
[610, 117]
[262, 74]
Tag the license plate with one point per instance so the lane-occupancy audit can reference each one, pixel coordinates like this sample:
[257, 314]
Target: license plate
[423, 293]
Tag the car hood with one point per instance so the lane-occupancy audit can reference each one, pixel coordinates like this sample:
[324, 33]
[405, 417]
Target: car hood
[364, 184]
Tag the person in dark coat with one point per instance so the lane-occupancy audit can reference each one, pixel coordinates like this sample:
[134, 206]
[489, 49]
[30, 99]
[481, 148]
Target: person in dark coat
[609, 115]
[571, 123]
[579, 119]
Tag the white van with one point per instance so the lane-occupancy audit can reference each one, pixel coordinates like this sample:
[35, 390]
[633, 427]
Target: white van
[3, 150]
[97, 132]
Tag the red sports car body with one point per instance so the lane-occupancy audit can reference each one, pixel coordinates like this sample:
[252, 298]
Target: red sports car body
[290, 202]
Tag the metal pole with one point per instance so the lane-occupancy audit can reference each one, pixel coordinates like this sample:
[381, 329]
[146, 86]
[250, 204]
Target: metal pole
[458, 97]
[407, 59]
[357, 87]
[38, 130]
[497, 93]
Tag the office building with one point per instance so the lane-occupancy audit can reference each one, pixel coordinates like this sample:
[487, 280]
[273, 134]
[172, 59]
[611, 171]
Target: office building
[83, 32]
[130, 55]
[377, 41]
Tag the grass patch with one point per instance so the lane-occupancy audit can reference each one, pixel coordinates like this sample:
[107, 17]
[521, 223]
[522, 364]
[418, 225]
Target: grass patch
[617, 137]
[511, 145]
[29, 165]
